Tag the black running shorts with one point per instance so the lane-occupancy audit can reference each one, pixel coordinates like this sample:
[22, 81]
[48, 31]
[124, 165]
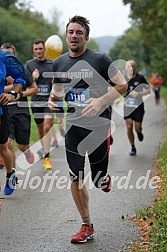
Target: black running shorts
[20, 128]
[4, 127]
[95, 143]
[39, 113]
[137, 115]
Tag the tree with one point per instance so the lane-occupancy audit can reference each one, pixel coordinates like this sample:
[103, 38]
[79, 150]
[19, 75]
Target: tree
[150, 15]
[7, 3]
[92, 44]
[21, 27]
[131, 46]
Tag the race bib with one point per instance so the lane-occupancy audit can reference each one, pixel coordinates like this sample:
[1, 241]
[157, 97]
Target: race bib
[131, 102]
[78, 96]
[43, 89]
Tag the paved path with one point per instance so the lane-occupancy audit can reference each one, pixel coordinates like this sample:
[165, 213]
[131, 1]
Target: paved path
[35, 221]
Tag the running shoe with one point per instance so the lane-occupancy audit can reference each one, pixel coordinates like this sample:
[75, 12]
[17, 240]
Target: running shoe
[111, 140]
[11, 182]
[54, 143]
[106, 184]
[133, 152]
[85, 233]
[47, 164]
[140, 136]
[1, 162]
[41, 153]
[29, 157]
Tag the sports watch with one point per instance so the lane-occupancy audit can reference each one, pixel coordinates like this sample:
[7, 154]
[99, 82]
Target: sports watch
[21, 94]
[13, 92]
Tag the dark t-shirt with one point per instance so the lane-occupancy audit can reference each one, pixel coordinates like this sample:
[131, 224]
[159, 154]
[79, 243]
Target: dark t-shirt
[84, 77]
[138, 84]
[21, 105]
[44, 84]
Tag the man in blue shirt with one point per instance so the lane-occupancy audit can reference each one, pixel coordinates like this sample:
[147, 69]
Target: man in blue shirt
[9, 66]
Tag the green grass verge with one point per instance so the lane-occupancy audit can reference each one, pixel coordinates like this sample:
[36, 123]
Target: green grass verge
[156, 215]
[34, 131]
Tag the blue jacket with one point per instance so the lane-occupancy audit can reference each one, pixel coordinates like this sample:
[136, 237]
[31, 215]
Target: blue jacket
[10, 66]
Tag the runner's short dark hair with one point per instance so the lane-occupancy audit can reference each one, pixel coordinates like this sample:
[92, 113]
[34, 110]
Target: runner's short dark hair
[38, 41]
[84, 22]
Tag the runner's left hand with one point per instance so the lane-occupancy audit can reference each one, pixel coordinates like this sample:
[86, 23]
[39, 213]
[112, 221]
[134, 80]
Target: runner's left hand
[93, 107]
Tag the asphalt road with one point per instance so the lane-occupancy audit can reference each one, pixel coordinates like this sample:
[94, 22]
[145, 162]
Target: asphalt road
[40, 216]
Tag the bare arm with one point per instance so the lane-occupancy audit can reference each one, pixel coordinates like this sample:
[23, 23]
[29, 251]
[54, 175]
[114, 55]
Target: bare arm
[95, 104]
[10, 86]
[30, 91]
[135, 94]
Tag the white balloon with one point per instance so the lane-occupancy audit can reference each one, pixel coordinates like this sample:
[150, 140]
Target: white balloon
[54, 47]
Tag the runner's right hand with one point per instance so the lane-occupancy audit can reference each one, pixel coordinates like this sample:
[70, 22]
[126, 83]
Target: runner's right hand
[35, 74]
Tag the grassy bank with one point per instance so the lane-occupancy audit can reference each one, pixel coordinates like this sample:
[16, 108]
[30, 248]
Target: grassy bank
[152, 221]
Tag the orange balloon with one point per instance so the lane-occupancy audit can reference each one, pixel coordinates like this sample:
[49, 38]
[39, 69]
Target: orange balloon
[54, 47]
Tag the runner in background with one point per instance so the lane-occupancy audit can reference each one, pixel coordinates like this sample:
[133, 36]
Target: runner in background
[156, 82]
[9, 66]
[39, 102]
[19, 115]
[134, 105]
